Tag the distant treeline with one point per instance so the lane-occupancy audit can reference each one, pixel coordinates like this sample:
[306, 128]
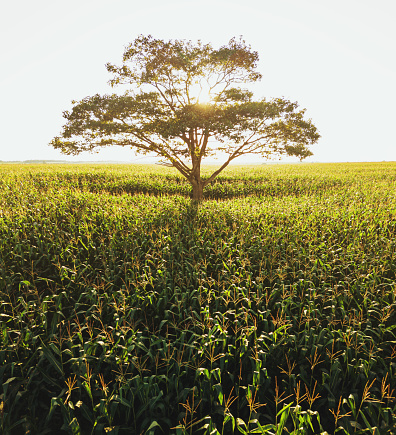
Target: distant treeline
[52, 162]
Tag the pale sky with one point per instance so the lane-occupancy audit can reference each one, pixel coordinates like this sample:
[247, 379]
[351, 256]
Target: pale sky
[336, 58]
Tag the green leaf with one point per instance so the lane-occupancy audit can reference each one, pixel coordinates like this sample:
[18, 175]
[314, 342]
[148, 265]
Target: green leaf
[284, 414]
[53, 361]
[241, 426]
[152, 427]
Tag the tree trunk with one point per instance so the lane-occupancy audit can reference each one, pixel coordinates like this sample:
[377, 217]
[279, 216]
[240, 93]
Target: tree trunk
[197, 191]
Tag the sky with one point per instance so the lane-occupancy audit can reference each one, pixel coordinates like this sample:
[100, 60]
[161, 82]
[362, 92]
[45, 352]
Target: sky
[335, 58]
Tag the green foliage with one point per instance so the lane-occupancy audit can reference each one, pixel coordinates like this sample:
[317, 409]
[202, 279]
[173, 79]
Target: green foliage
[125, 308]
[164, 109]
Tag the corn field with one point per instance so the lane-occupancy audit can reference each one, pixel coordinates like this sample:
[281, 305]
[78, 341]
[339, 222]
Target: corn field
[269, 308]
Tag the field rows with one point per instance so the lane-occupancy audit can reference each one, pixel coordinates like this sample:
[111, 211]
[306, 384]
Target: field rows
[269, 308]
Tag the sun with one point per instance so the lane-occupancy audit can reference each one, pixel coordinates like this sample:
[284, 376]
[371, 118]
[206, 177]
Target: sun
[200, 94]
[205, 97]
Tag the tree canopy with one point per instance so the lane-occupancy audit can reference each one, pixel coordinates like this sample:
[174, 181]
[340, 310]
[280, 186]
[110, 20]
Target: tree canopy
[184, 103]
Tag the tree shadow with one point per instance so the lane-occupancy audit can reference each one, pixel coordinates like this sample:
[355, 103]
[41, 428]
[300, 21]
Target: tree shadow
[220, 188]
[237, 188]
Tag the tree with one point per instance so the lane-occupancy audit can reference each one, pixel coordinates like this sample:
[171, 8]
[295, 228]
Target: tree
[184, 103]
